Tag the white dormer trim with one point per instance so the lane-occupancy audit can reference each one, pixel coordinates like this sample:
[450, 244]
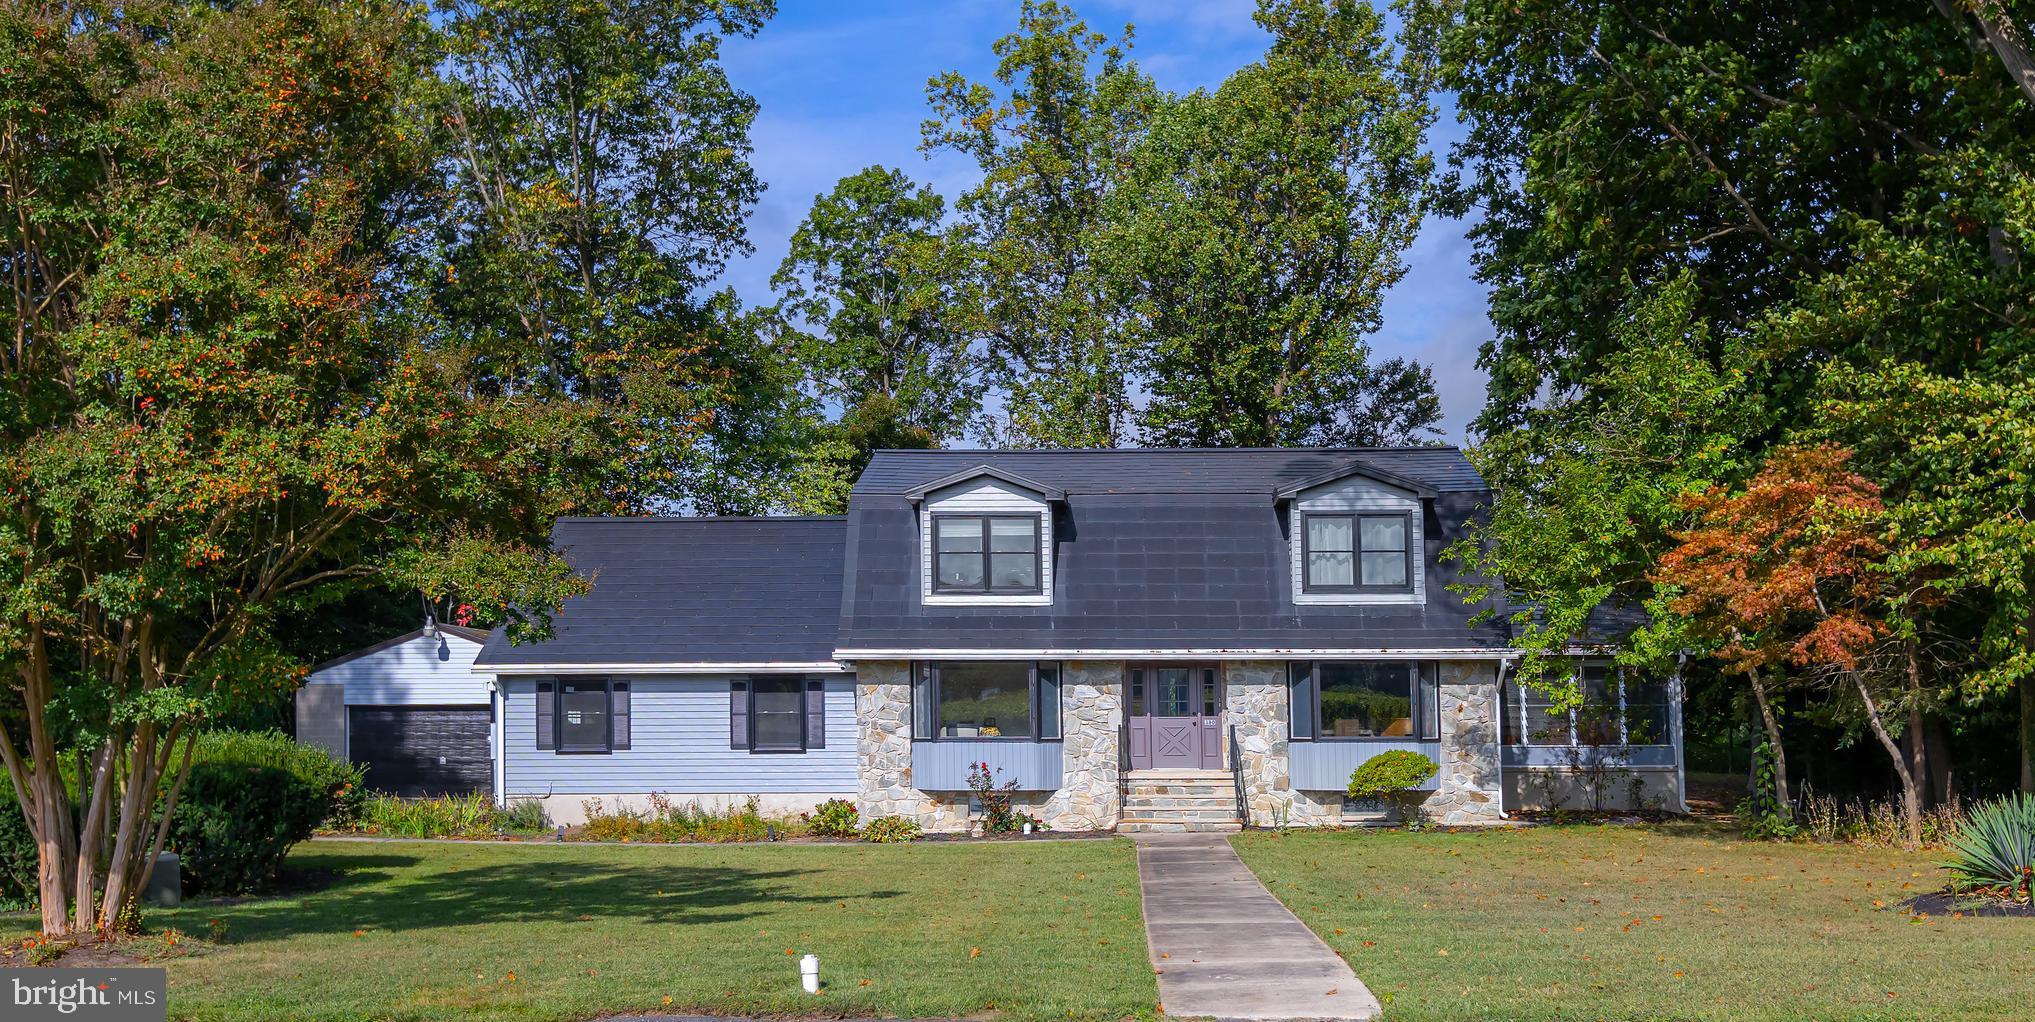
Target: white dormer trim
[985, 496]
[1357, 493]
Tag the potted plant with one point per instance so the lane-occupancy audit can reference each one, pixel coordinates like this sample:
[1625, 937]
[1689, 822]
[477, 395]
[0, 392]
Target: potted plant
[1394, 778]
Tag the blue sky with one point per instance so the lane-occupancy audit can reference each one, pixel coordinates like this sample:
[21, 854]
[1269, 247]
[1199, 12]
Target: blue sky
[841, 86]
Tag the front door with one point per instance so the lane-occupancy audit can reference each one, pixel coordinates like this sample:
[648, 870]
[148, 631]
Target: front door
[1175, 718]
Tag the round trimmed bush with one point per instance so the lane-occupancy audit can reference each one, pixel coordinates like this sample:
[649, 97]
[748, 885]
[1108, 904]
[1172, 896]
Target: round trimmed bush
[249, 798]
[1394, 776]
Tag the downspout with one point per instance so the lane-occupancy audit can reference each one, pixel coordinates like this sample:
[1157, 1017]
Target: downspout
[499, 705]
[1675, 732]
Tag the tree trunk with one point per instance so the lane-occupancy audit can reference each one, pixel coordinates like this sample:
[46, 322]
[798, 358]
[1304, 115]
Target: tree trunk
[1773, 737]
[1911, 803]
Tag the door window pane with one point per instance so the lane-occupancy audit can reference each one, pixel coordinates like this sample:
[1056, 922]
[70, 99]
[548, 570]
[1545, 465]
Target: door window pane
[1361, 700]
[779, 714]
[583, 717]
[1175, 695]
[1137, 693]
[985, 700]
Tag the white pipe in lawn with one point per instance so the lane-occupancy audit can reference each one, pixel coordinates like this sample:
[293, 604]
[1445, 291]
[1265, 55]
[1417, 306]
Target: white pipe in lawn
[809, 973]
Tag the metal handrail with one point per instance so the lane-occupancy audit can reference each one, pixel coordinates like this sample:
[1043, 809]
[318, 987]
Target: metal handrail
[1236, 769]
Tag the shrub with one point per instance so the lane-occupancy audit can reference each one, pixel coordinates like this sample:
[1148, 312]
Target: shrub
[886, 830]
[468, 816]
[836, 817]
[248, 798]
[1877, 823]
[666, 821]
[17, 858]
[1394, 776]
[525, 815]
[1994, 849]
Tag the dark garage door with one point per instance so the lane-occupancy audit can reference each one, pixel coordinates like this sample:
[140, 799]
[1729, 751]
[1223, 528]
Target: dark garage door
[422, 750]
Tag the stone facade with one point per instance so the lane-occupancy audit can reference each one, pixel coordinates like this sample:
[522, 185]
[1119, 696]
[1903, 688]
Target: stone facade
[1091, 790]
[1092, 722]
[1470, 789]
[1258, 707]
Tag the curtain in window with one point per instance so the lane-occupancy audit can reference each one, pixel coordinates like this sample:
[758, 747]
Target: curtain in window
[1331, 551]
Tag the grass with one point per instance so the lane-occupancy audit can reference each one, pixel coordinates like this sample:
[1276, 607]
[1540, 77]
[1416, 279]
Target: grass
[421, 930]
[1642, 923]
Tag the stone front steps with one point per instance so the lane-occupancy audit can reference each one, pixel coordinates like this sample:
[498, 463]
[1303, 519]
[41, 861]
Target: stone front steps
[1175, 801]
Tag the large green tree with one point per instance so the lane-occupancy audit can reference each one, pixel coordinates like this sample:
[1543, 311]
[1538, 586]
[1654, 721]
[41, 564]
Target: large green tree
[1262, 224]
[1052, 139]
[1843, 187]
[866, 290]
[596, 157]
[214, 417]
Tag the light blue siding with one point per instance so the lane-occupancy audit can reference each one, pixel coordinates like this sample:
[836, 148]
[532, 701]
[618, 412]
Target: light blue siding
[1326, 766]
[425, 671]
[678, 746]
[1521, 756]
[943, 765]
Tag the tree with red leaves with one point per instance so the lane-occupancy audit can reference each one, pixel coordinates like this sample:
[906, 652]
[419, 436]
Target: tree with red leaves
[1792, 570]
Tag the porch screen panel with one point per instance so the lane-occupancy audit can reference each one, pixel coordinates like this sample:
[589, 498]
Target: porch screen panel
[1300, 700]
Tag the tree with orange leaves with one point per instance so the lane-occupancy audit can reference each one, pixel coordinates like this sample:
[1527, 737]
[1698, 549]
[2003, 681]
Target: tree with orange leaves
[1792, 570]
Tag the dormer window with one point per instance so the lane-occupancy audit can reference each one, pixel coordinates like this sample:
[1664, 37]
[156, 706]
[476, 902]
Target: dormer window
[986, 554]
[1357, 553]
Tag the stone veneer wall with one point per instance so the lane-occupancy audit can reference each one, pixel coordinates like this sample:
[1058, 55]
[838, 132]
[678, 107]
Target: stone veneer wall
[1091, 789]
[1470, 788]
[1260, 711]
[1091, 722]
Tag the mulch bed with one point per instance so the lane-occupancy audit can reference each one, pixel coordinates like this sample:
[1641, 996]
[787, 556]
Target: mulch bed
[1944, 903]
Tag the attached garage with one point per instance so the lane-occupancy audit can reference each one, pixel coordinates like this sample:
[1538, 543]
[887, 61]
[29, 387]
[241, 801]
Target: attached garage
[422, 750]
[411, 710]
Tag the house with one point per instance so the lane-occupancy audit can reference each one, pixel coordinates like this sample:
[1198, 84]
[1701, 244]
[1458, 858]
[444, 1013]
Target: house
[410, 709]
[1141, 639]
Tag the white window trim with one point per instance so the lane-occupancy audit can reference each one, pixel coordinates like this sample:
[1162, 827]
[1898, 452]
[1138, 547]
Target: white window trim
[1010, 502]
[1357, 497]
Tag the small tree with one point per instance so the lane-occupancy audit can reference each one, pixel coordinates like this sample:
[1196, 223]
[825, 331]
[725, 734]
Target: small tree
[1795, 567]
[1394, 777]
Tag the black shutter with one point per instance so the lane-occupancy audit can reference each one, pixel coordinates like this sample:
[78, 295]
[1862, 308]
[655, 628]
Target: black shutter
[738, 715]
[547, 715]
[1048, 709]
[924, 713]
[816, 713]
[618, 715]
[1300, 701]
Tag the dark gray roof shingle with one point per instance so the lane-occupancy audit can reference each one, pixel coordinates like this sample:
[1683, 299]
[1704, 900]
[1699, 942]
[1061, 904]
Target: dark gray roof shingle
[693, 590]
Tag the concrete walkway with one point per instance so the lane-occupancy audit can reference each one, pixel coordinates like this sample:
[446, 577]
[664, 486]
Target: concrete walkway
[1225, 948]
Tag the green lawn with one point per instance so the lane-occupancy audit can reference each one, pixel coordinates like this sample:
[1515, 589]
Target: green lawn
[1032, 930]
[1677, 922]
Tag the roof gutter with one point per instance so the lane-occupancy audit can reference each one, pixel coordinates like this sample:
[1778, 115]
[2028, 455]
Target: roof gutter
[1345, 653]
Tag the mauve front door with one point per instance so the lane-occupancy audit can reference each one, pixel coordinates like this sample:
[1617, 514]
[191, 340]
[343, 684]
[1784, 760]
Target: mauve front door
[1175, 718]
